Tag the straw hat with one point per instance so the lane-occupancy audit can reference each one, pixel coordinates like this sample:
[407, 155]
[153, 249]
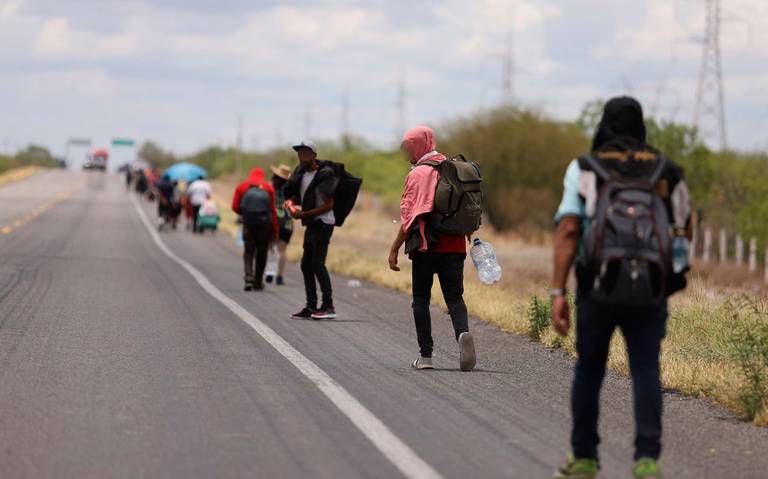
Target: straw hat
[282, 171]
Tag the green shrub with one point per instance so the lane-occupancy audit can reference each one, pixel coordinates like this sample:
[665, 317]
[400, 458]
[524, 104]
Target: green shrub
[749, 347]
[539, 313]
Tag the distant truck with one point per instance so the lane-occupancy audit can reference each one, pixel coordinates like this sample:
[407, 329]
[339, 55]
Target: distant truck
[96, 160]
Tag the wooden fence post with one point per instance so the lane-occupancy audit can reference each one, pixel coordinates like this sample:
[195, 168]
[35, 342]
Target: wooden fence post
[752, 254]
[707, 245]
[766, 265]
[739, 250]
[723, 243]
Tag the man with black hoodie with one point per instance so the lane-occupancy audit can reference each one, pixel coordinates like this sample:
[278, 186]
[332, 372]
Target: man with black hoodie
[620, 150]
[310, 191]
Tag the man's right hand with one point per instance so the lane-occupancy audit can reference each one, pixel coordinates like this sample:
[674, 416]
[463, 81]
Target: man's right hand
[393, 260]
[561, 315]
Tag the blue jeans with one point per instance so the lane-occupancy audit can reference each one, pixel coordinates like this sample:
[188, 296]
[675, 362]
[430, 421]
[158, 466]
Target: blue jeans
[643, 330]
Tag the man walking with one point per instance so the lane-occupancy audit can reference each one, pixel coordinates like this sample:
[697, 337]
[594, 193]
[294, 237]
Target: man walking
[624, 275]
[310, 192]
[254, 201]
[197, 192]
[431, 253]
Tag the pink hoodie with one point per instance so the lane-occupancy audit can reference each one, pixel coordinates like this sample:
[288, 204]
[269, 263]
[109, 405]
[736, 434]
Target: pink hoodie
[419, 194]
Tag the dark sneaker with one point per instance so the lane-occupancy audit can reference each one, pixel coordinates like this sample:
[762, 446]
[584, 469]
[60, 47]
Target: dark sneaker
[574, 468]
[325, 313]
[248, 286]
[269, 278]
[305, 313]
[258, 287]
[280, 281]
[467, 358]
[646, 468]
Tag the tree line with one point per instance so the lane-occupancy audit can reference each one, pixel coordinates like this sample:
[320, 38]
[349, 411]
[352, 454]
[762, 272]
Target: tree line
[523, 154]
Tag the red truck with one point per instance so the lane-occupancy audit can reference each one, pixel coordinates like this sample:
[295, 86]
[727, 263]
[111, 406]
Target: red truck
[96, 160]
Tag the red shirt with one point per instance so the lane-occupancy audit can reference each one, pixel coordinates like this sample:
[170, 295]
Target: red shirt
[450, 244]
[256, 178]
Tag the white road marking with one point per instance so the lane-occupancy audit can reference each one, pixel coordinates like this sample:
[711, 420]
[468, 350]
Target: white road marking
[398, 453]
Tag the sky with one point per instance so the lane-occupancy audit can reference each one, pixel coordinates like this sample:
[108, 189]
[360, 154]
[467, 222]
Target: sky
[181, 72]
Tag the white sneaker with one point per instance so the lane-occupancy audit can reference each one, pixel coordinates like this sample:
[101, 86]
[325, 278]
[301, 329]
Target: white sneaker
[467, 358]
[422, 363]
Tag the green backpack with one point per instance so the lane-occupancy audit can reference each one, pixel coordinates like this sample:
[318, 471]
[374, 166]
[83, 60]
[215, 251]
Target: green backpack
[458, 205]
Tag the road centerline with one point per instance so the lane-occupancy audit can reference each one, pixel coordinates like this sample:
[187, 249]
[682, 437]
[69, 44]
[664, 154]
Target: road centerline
[392, 447]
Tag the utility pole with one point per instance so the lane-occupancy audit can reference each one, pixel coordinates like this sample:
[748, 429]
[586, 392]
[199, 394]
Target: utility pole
[345, 139]
[345, 113]
[238, 147]
[400, 102]
[307, 121]
[709, 114]
[508, 71]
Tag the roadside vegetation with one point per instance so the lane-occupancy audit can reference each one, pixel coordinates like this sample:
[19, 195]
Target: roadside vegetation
[717, 341]
[33, 155]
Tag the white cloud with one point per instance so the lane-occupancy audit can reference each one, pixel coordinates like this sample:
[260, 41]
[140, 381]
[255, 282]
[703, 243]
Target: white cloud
[181, 72]
[57, 38]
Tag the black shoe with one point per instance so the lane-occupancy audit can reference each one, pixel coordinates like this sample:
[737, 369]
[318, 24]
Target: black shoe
[279, 281]
[248, 287]
[259, 287]
[269, 279]
[305, 313]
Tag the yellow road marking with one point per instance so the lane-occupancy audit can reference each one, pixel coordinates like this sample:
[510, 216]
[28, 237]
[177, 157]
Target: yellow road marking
[18, 223]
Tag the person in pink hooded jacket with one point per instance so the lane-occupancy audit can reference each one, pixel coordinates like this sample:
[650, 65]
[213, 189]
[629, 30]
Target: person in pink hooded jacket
[431, 254]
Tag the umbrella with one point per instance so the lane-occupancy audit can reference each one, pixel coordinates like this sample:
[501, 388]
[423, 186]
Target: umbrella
[185, 171]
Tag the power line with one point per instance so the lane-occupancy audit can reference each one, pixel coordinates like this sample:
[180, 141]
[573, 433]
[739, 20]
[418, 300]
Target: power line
[709, 115]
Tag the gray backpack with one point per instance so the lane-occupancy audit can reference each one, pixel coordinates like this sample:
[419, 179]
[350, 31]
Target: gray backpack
[458, 208]
[256, 207]
[628, 245]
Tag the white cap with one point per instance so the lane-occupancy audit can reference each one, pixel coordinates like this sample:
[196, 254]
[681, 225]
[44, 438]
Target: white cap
[306, 144]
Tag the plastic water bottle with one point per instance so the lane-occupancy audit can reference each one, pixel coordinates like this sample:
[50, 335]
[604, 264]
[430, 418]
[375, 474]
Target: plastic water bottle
[484, 258]
[680, 248]
[272, 259]
[239, 237]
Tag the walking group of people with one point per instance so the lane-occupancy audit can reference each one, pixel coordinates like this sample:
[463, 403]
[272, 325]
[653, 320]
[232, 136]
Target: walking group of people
[267, 210]
[624, 206]
[193, 200]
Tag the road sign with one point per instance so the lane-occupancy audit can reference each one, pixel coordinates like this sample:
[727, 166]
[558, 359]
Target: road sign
[123, 142]
[79, 142]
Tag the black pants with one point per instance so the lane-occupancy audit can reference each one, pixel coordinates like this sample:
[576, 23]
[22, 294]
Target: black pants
[643, 330]
[195, 213]
[256, 239]
[316, 240]
[449, 268]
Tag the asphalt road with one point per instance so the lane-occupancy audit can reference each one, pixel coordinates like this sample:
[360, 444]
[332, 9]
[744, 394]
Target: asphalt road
[115, 362]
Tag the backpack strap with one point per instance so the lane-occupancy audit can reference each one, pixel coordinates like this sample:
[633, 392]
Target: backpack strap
[597, 167]
[660, 167]
[430, 163]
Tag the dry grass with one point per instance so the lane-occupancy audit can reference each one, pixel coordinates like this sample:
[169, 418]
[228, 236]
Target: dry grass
[697, 355]
[18, 174]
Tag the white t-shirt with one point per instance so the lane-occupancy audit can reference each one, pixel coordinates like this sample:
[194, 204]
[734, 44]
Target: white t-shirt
[328, 218]
[198, 192]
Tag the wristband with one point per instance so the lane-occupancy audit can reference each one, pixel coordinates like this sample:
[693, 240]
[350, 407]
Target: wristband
[557, 292]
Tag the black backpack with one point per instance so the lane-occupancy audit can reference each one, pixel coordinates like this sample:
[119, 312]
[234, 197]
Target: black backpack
[347, 189]
[256, 207]
[628, 245]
